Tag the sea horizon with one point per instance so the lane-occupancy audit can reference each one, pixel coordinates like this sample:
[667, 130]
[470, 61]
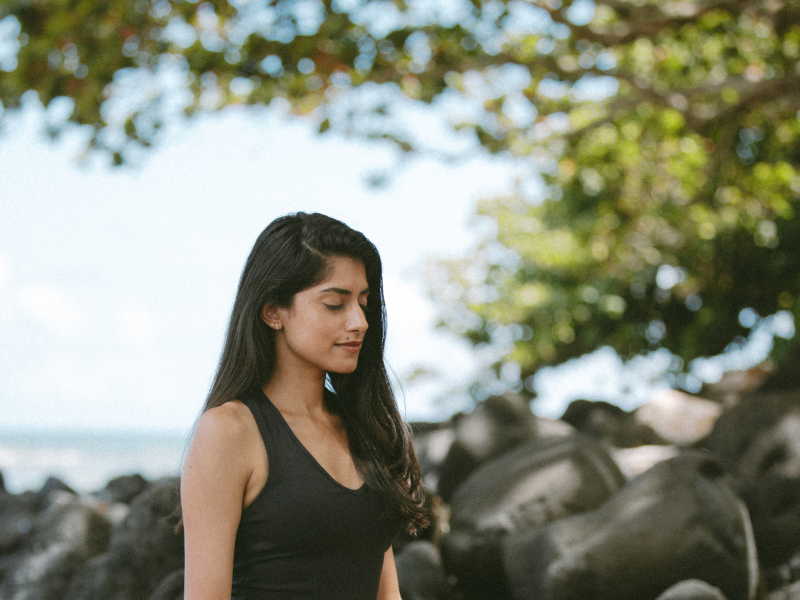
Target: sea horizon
[86, 460]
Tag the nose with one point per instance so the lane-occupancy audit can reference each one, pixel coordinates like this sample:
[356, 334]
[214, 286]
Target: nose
[357, 320]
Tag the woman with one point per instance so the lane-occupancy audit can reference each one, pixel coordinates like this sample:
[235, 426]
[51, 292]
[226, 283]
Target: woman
[301, 472]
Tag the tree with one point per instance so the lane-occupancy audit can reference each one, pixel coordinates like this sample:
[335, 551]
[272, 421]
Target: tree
[670, 214]
[666, 135]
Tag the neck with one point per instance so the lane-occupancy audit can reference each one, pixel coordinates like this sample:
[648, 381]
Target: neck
[293, 391]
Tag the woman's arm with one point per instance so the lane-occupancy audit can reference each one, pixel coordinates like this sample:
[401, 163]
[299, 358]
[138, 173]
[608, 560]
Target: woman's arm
[215, 475]
[389, 588]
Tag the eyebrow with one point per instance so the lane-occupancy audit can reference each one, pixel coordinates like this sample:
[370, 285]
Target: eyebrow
[342, 291]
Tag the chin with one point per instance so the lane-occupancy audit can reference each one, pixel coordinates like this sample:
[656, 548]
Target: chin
[344, 369]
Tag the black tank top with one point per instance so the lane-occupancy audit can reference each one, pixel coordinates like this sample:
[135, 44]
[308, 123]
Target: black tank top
[305, 536]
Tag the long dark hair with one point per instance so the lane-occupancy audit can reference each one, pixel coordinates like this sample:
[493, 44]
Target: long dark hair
[292, 254]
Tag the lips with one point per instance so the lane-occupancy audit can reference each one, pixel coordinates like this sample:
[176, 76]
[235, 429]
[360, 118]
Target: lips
[351, 346]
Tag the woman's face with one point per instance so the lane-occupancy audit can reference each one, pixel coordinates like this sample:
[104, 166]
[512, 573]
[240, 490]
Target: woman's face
[324, 327]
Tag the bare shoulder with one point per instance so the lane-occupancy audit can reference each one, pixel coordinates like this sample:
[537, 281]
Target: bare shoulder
[228, 430]
[232, 419]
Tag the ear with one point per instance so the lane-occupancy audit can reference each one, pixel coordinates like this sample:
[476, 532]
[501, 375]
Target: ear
[271, 316]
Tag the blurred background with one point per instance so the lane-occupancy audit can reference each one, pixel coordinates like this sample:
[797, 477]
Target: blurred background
[571, 201]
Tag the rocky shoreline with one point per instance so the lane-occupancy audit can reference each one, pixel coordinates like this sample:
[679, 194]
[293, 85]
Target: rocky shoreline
[686, 498]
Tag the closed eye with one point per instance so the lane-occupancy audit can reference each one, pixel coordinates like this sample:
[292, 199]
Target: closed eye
[335, 306]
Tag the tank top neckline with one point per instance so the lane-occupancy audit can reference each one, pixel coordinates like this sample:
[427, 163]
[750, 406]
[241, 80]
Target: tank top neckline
[304, 450]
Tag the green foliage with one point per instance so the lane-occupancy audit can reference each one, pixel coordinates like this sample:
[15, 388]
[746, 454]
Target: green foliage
[670, 204]
[666, 133]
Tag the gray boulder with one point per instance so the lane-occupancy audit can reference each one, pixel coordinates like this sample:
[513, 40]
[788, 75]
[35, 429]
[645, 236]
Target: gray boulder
[635, 461]
[421, 574]
[788, 592]
[66, 535]
[692, 589]
[774, 506]
[432, 442]
[53, 487]
[123, 489]
[142, 551]
[679, 418]
[496, 426]
[609, 423]
[680, 520]
[17, 514]
[759, 437]
[170, 588]
[779, 577]
[526, 488]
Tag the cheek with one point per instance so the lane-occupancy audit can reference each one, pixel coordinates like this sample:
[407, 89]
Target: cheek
[312, 327]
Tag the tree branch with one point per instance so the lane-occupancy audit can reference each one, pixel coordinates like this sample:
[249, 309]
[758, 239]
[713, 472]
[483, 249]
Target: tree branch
[639, 21]
[749, 93]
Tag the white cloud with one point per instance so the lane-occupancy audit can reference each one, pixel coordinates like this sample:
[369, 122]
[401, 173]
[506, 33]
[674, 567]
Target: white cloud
[74, 379]
[138, 327]
[5, 277]
[51, 308]
[5, 270]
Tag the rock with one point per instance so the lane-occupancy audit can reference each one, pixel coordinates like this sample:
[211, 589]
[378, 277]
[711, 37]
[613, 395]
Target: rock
[729, 390]
[609, 423]
[692, 589]
[782, 575]
[115, 512]
[17, 514]
[124, 489]
[170, 588]
[67, 535]
[788, 592]
[536, 483]
[787, 375]
[54, 485]
[420, 573]
[432, 442]
[88, 578]
[142, 551]
[679, 418]
[635, 461]
[774, 506]
[553, 428]
[497, 425]
[759, 437]
[680, 520]
[6, 564]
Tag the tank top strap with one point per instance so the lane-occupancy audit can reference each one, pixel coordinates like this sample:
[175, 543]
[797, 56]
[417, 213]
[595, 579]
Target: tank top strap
[268, 425]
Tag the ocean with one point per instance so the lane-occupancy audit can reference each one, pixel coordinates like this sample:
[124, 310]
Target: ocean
[86, 461]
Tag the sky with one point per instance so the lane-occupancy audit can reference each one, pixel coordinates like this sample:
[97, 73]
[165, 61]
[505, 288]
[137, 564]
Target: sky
[116, 284]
